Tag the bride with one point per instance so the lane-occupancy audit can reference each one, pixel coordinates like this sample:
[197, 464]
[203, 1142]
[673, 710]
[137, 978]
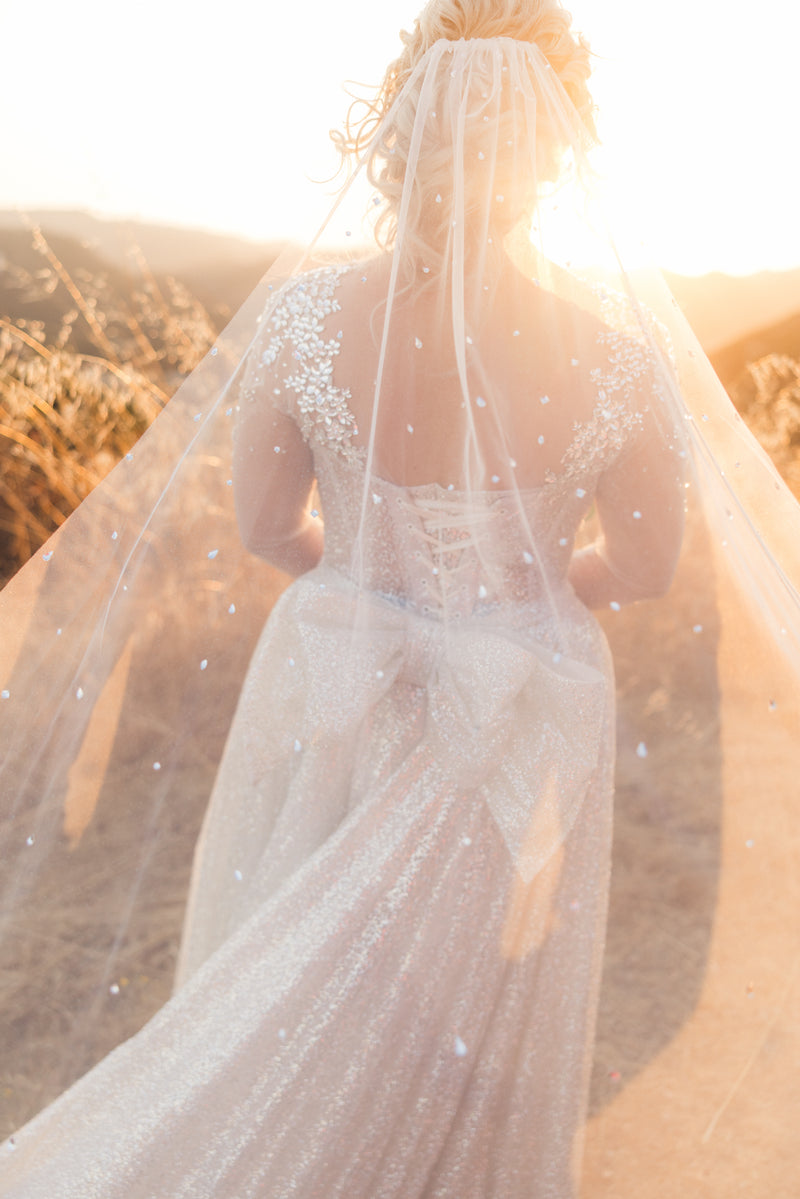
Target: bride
[389, 972]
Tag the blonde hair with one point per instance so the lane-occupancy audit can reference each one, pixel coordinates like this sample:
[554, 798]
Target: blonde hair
[542, 22]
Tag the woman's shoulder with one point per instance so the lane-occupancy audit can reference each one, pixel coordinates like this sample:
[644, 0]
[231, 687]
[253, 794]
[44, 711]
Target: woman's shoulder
[323, 288]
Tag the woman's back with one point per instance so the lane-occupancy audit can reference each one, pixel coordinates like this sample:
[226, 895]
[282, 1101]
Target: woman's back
[528, 358]
[425, 491]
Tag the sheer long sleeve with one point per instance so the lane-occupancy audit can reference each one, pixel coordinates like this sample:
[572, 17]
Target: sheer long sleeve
[273, 485]
[640, 507]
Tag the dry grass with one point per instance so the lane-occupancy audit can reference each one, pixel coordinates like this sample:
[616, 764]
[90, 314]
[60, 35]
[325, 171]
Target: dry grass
[66, 417]
[768, 397]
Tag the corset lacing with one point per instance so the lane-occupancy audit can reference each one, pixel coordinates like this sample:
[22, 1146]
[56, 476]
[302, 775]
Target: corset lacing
[448, 528]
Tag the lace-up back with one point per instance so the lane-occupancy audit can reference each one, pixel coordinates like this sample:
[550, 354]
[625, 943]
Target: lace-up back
[442, 553]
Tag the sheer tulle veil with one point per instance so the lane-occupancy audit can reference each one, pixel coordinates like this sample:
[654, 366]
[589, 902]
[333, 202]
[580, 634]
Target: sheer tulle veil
[483, 347]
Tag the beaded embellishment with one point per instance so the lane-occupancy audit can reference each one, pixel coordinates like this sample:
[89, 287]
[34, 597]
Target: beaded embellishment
[596, 442]
[627, 375]
[297, 323]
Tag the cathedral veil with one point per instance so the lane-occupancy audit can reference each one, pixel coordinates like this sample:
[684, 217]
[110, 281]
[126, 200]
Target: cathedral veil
[622, 481]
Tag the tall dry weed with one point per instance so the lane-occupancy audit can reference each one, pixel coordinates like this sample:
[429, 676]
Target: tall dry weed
[66, 416]
[768, 397]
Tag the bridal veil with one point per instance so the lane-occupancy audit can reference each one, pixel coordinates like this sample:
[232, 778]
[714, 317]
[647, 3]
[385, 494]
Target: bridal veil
[496, 423]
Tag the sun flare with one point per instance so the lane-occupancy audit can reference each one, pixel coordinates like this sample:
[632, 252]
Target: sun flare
[224, 124]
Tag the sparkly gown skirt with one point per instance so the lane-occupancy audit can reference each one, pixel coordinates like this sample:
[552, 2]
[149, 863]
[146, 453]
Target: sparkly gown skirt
[372, 1003]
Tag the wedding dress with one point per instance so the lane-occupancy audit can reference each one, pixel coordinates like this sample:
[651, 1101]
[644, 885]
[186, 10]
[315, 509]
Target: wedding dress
[389, 970]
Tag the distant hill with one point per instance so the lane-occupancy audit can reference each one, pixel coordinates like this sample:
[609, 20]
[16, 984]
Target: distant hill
[167, 248]
[723, 309]
[782, 338]
[220, 270]
[113, 273]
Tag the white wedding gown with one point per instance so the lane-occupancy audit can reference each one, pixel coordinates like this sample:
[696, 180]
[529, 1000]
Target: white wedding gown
[390, 965]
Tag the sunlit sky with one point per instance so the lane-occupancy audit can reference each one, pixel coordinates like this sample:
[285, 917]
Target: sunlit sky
[216, 116]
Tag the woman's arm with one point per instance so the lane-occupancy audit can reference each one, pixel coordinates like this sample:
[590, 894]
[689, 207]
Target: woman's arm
[640, 505]
[273, 477]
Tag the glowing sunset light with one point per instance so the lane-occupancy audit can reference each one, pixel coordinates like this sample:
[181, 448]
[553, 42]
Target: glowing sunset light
[164, 113]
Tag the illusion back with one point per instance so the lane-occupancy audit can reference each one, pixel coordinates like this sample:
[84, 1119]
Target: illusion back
[447, 549]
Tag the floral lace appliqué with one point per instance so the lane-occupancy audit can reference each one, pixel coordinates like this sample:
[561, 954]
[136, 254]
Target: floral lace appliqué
[624, 383]
[598, 441]
[297, 325]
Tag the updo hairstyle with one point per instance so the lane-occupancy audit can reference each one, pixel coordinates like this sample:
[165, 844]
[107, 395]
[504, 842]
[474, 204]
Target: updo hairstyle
[542, 22]
[517, 175]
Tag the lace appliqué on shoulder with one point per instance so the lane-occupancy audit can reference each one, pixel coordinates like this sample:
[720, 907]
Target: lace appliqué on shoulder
[624, 382]
[297, 323]
[597, 442]
[629, 371]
